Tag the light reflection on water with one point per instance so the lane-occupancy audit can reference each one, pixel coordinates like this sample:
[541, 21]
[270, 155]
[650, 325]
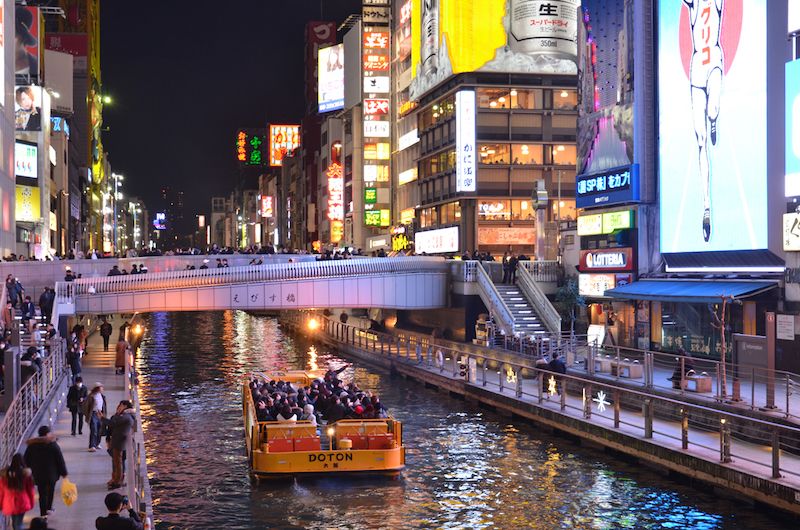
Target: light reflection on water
[466, 468]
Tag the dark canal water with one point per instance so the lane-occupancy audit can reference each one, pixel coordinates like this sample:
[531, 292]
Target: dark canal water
[466, 468]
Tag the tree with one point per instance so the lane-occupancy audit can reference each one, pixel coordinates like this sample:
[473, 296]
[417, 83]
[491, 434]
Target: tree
[568, 300]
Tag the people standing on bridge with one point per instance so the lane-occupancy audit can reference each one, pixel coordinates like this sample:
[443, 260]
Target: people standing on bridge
[75, 398]
[115, 503]
[16, 491]
[121, 427]
[46, 302]
[115, 271]
[46, 461]
[134, 269]
[95, 412]
[506, 268]
[513, 262]
[123, 328]
[558, 366]
[105, 331]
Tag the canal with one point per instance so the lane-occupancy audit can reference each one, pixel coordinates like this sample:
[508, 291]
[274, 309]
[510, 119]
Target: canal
[466, 468]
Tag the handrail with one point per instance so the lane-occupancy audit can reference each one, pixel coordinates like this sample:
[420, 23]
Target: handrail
[493, 300]
[778, 435]
[29, 399]
[544, 309]
[248, 274]
[541, 270]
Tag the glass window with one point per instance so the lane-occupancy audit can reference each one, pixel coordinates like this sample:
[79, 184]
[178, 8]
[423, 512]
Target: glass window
[566, 99]
[494, 98]
[494, 210]
[564, 155]
[522, 210]
[426, 217]
[450, 213]
[526, 99]
[527, 154]
[564, 210]
[495, 153]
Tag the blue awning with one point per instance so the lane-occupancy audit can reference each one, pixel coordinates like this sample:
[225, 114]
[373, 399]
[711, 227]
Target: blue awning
[692, 291]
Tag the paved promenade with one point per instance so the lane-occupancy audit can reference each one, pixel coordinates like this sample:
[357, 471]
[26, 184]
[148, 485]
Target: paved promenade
[89, 471]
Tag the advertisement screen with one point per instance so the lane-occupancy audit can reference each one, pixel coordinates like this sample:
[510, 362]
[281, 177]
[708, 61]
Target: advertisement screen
[450, 37]
[605, 77]
[283, 139]
[794, 16]
[160, 221]
[793, 128]
[436, 241]
[26, 160]
[28, 108]
[330, 95]
[27, 42]
[29, 207]
[712, 85]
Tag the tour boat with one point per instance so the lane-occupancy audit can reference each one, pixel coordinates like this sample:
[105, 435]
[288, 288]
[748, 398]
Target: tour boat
[290, 449]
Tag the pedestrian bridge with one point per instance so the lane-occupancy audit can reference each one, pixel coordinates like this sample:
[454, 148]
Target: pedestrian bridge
[391, 283]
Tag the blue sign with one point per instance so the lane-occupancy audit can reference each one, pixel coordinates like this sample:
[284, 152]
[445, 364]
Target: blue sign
[793, 128]
[59, 124]
[614, 186]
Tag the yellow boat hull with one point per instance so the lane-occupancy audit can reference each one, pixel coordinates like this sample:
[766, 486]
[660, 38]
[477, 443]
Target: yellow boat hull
[272, 465]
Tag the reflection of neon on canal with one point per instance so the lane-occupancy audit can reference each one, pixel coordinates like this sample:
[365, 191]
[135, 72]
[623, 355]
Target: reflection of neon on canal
[312, 358]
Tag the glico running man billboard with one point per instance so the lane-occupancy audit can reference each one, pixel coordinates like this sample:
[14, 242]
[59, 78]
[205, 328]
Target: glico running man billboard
[450, 37]
[712, 84]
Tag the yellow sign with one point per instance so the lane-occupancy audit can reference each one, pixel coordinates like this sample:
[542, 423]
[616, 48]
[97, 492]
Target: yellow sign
[407, 216]
[590, 225]
[29, 207]
[617, 221]
[605, 223]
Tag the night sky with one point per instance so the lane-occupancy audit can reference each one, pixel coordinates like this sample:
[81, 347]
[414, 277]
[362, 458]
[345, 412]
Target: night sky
[184, 75]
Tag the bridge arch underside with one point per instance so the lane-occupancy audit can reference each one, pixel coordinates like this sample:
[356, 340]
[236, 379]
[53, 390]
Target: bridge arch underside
[418, 290]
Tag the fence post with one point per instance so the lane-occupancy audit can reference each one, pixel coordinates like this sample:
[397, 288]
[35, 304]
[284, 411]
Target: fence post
[776, 454]
[753, 390]
[788, 389]
[616, 409]
[724, 441]
[564, 395]
[500, 377]
[648, 418]
[684, 429]
[587, 402]
[518, 372]
[683, 374]
[590, 360]
[483, 369]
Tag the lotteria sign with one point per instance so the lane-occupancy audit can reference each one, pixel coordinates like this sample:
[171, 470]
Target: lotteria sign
[617, 259]
[615, 186]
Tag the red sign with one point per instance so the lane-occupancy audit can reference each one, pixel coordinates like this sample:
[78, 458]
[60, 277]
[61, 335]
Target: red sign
[376, 107]
[76, 44]
[241, 143]
[376, 40]
[609, 259]
[376, 62]
[266, 206]
[283, 139]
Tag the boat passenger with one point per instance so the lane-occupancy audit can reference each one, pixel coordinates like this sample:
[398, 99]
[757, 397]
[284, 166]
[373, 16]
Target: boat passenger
[308, 414]
[286, 415]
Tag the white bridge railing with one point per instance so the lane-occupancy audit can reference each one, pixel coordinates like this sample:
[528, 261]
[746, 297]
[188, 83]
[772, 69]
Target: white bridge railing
[66, 291]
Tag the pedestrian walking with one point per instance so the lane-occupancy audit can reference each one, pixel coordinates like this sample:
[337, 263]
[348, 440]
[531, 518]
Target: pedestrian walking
[95, 411]
[16, 491]
[46, 301]
[116, 503]
[74, 357]
[505, 262]
[46, 461]
[119, 362]
[75, 397]
[28, 314]
[105, 331]
[121, 426]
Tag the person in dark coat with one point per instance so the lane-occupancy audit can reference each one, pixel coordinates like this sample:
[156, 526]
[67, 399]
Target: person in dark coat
[46, 301]
[44, 457]
[114, 521]
[558, 366]
[121, 427]
[28, 313]
[105, 331]
[30, 364]
[75, 396]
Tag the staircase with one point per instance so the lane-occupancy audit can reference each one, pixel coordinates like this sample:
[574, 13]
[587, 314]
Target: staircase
[526, 321]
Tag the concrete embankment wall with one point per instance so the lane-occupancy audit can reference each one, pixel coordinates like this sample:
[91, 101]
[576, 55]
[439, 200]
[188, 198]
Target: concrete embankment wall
[754, 488]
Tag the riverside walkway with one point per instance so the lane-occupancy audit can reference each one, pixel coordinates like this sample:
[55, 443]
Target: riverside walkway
[89, 471]
[746, 456]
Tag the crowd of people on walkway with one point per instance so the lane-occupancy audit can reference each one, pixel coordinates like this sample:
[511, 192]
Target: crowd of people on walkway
[327, 399]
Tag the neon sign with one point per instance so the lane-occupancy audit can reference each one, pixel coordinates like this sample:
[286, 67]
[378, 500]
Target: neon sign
[336, 201]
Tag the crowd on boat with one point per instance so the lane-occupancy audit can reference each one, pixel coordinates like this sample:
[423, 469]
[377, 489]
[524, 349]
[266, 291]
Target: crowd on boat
[328, 399]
